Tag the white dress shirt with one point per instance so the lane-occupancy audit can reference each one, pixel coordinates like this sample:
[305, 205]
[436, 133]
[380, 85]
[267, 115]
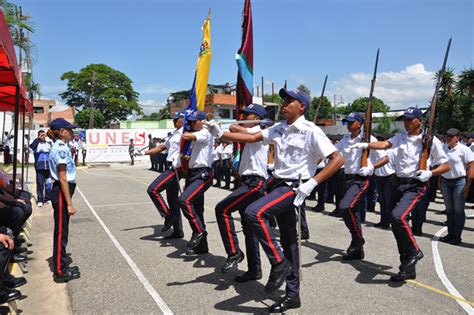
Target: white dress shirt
[407, 152]
[173, 145]
[201, 154]
[387, 169]
[352, 157]
[458, 157]
[253, 160]
[297, 148]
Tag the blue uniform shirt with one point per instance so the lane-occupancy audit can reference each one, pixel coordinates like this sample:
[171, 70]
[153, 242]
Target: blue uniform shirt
[61, 154]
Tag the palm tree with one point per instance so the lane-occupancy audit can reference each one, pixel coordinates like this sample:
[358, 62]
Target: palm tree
[448, 82]
[465, 84]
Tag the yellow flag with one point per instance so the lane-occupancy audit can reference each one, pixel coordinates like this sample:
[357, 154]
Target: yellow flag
[203, 65]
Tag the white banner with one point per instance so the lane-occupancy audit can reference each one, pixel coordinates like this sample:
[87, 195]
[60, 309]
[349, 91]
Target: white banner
[111, 145]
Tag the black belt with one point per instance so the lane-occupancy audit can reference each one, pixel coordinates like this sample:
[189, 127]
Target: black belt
[453, 179]
[199, 169]
[353, 176]
[245, 177]
[408, 180]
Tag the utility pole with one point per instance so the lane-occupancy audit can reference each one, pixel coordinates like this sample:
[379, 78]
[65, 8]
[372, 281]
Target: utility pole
[91, 113]
[262, 92]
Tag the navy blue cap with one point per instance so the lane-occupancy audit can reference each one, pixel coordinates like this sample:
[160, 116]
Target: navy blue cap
[256, 109]
[297, 95]
[178, 114]
[412, 112]
[59, 123]
[354, 116]
[197, 115]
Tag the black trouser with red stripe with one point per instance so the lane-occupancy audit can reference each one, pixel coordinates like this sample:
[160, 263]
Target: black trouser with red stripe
[191, 200]
[352, 203]
[407, 194]
[61, 228]
[278, 203]
[167, 180]
[250, 189]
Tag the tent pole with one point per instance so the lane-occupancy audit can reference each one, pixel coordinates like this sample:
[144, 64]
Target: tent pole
[23, 152]
[15, 142]
[30, 118]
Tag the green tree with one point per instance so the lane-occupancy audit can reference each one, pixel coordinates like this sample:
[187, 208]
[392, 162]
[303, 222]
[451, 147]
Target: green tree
[325, 111]
[275, 98]
[304, 88]
[82, 119]
[360, 105]
[455, 103]
[111, 90]
[163, 113]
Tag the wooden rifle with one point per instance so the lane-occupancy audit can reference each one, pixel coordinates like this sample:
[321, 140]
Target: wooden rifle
[368, 116]
[429, 130]
[320, 101]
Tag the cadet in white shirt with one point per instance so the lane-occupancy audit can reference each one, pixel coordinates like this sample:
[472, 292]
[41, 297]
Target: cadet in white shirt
[410, 185]
[169, 180]
[253, 174]
[298, 145]
[356, 183]
[216, 164]
[384, 182]
[226, 162]
[198, 180]
[455, 186]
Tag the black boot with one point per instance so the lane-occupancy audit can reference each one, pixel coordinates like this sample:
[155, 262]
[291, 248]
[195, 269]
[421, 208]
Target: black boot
[232, 261]
[278, 275]
[355, 250]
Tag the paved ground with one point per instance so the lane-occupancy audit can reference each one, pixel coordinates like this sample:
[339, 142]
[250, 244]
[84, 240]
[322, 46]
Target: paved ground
[139, 272]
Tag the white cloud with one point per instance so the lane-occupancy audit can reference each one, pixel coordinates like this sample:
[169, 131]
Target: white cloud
[411, 86]
[151, 106]
[155, 89]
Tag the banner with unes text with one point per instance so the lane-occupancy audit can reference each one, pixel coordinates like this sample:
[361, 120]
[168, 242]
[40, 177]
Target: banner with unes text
[112, 145]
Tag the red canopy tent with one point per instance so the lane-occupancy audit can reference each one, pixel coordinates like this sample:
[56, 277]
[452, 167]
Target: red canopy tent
[10, 74]
[13, 96]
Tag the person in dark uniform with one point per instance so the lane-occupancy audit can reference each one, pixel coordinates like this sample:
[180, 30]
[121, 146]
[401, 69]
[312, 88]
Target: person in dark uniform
[298, 145]
[356, 183]
[253, 174]
[131, 152]
[198, 180]
[410, 184]
[63, 172]
[168, 180]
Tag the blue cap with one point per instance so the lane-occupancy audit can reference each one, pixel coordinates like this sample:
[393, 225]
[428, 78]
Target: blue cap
[297, 95]
[178, 114]
[412, 112]
[256, 109]
[59, 123]
[197, 115]
[354, 116]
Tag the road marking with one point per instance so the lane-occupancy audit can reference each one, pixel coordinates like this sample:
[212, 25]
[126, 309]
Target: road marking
[124, 204]
[466, 305]
[155, 296]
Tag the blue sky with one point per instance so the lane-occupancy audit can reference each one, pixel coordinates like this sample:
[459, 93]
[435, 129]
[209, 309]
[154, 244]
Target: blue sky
[155, 43]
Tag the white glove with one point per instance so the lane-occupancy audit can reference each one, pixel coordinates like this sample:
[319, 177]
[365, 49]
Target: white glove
[304, 190]
[139, 153]
[215, 129]
[360, 145]
[366, 171]
[423, 176]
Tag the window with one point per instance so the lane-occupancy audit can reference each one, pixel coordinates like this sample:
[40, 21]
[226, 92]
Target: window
[38, 110]
[224, 113]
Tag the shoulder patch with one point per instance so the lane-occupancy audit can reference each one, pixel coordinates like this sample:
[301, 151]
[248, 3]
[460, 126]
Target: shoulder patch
[61, 144]
[62, 154]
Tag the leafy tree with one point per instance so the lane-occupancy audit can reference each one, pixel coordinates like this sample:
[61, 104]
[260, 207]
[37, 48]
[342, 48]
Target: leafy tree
[304, 88]
[325, 111]
[275, 98]
[455, 104]
[82, 119]
[360, 105]
[163, 113]
[111, 90]
[180, 95]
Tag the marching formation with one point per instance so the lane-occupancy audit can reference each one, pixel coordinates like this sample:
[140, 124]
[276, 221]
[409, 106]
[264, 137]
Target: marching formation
[299, 146]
